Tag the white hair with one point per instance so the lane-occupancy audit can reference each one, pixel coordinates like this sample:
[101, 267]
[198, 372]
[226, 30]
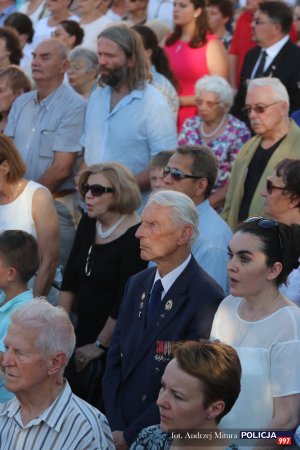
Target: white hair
[89, 57]
[56, 332]
[184, 209]
[217, 85]
[279, 90]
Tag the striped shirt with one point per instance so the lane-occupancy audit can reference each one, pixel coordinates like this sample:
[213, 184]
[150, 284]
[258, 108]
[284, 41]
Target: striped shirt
[68, 424]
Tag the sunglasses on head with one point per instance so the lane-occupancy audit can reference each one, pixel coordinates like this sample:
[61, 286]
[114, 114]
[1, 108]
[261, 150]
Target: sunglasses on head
[266, 224]
[270, 186]
[96, 189]
[258, 109]
[177, 174]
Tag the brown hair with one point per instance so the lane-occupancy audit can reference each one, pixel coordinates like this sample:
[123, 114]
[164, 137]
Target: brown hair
[201, 29]
[13, 44]
[20, 250]
[132, 45]
[289, 170]
[126, 191]
[205, 164]
[9, 153]
[218, 368]
[17, 79]
[161, 159]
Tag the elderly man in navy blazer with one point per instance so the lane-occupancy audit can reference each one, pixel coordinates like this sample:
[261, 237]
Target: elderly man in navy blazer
[162, 305]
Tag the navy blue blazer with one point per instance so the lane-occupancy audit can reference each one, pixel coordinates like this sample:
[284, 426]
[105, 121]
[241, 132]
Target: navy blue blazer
[285, 66]
[138, 354]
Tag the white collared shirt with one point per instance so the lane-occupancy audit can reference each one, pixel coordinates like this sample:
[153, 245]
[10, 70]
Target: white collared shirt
[271, 52]
[171, 277]
[69, 423]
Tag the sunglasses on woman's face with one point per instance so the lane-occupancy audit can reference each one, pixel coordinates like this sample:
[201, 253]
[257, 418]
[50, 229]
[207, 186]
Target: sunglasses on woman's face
[96, 189]
[270, 186]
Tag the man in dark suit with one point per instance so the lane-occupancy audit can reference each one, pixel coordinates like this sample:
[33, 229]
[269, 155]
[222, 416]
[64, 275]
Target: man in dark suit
[275, 55]
[151, 320]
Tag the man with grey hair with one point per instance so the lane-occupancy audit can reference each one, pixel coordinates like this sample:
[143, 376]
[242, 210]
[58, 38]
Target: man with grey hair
[46, 126]
[127, 120]
[277, 137]
[45, 414]
[172, 302]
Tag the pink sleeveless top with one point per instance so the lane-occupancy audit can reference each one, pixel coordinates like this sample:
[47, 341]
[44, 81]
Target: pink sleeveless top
[188, 65]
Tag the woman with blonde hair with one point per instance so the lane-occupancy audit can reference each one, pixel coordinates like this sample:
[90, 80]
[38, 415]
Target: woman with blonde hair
[105, 254]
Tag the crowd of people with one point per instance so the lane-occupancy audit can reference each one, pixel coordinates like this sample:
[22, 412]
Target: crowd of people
[149, 224]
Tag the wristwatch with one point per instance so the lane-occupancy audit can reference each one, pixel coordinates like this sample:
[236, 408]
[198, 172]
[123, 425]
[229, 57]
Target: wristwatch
[99, 345]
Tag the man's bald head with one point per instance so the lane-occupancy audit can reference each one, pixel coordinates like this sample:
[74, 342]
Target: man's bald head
[50, 61]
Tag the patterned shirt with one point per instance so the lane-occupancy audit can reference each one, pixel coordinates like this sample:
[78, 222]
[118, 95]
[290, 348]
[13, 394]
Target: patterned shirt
[69, 423]
[225, 147]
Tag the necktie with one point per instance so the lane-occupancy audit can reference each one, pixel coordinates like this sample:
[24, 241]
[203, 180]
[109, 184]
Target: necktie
[260, 68]
[155, 299]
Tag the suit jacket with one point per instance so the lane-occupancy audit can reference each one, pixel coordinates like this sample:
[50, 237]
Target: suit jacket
[138, 356]
[285, 66]
[288, 148]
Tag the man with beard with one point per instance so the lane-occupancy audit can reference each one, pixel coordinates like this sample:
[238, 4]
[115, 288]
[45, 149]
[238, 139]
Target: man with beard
[127, 120]
[277, 137]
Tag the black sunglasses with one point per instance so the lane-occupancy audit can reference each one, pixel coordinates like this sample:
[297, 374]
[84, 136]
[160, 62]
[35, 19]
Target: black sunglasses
[96, 189]
[177, 174]
[267, 224]
[270, 186]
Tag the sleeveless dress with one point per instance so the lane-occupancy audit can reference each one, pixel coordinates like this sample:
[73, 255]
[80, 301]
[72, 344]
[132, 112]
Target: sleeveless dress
[17, 215]
[188, 65]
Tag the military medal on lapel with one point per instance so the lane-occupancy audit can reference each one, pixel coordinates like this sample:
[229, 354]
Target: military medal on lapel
[142, 304]
[163, 351]
[169, 305]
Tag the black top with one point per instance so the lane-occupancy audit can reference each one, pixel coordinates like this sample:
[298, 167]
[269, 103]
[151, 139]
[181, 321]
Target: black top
[255, 170]
[99, 295]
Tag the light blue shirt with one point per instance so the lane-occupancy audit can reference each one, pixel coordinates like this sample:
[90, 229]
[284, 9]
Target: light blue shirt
[5, 13]
[139, 126]
[39, 128]
[6, 310]
[211, 248]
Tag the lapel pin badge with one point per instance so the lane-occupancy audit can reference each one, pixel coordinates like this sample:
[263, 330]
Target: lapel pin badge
[169, 305]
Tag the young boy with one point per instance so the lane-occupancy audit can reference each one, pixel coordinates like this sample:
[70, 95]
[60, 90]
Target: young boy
[157, 165]
[19, 260]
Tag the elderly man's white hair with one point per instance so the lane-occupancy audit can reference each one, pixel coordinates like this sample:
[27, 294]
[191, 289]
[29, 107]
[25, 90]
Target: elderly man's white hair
[55, 330]
[279, 90]
[184, 209]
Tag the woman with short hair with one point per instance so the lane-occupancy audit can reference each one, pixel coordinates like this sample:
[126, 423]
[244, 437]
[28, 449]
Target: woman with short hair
[83, 71]
[104, 255]
[199, 386]
[13, 82]
[215, 128]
